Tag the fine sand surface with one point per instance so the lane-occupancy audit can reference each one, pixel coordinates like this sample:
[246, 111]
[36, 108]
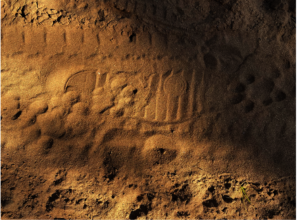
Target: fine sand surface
[149, 109]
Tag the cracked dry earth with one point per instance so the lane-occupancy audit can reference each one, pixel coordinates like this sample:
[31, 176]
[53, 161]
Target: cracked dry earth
[129, 109]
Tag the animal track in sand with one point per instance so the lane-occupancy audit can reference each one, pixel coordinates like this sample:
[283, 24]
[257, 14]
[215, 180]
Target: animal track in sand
[251, 91]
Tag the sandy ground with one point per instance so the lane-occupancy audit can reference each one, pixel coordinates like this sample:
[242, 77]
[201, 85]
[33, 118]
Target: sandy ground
[130, 109]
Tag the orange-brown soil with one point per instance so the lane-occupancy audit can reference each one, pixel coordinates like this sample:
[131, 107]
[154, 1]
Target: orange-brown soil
[130, 109]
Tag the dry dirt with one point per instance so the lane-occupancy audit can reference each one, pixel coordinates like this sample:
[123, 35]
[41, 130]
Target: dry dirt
[130, 109]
